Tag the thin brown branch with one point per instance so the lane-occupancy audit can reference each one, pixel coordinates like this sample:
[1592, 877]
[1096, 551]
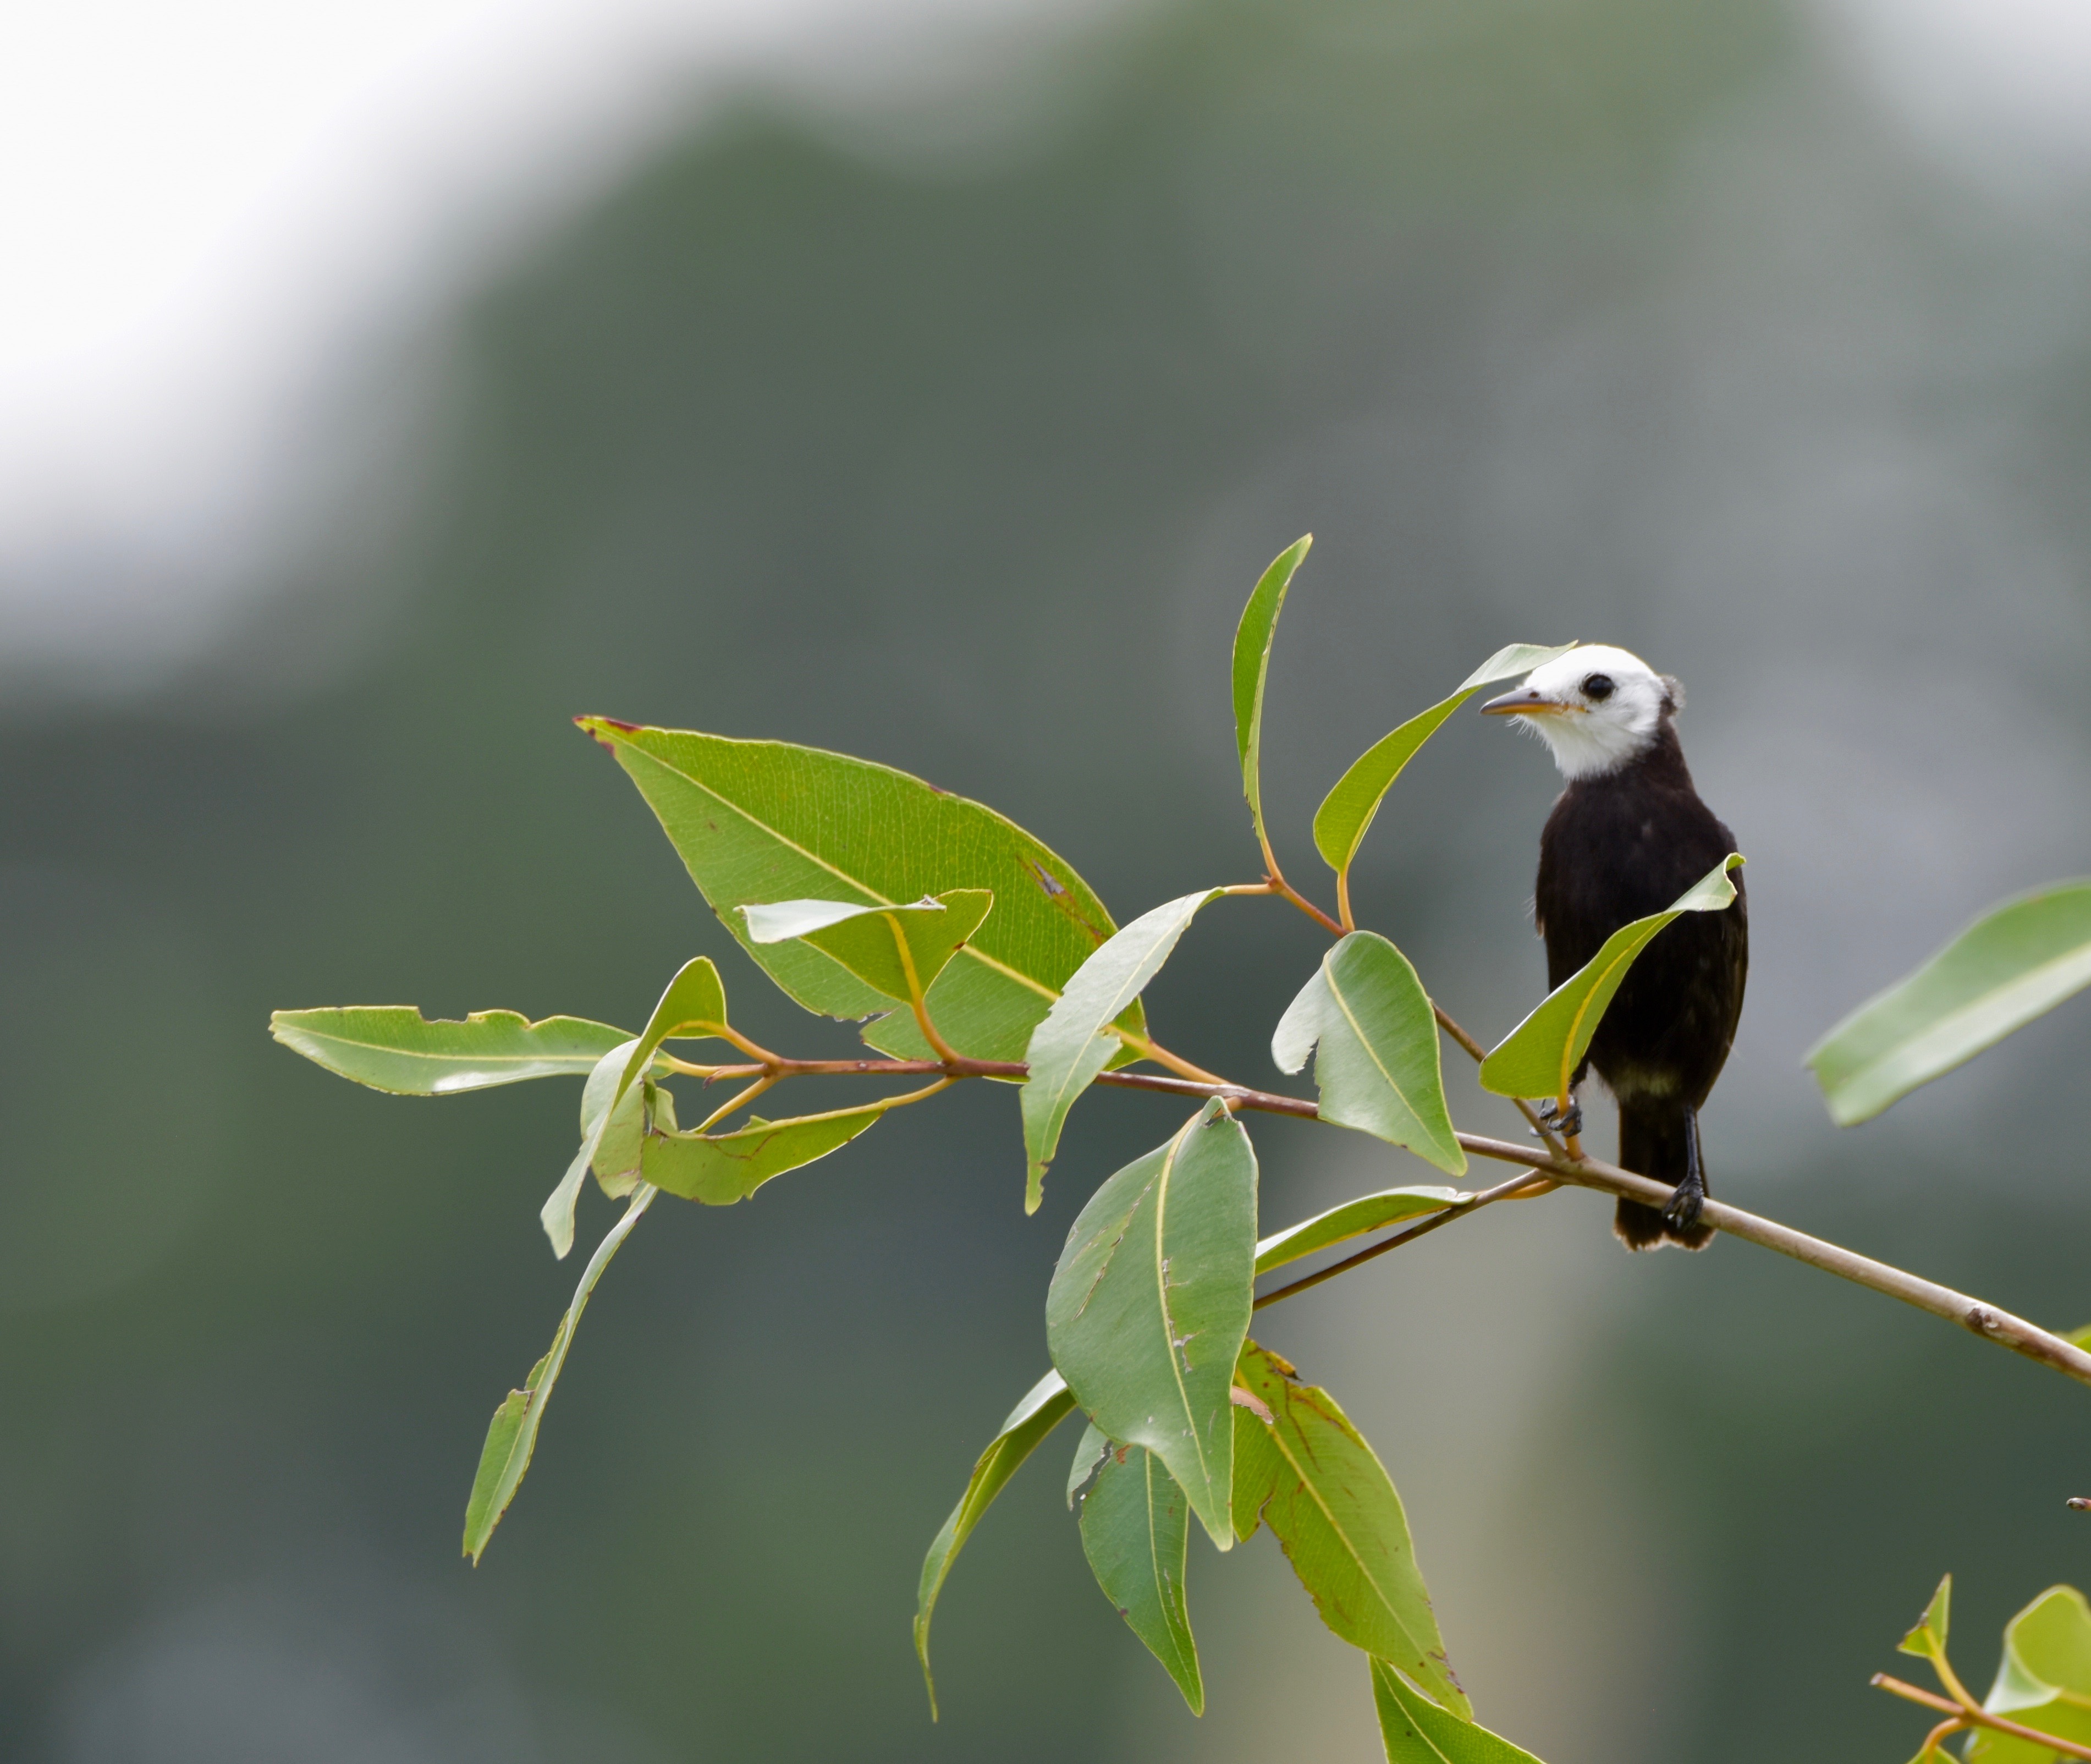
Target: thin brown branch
[1914, 1693]
[1479, 1054]
[1235, 1096]
[1239, 1095]
[1285, 890]
[1974, 1715]
[780, 1067]
[1974, 1315]
[1503, 1191]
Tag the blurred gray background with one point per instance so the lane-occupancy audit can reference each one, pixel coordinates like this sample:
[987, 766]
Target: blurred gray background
[932, 383]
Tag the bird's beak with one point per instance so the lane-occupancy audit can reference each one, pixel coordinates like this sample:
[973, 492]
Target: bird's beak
[1527, 702]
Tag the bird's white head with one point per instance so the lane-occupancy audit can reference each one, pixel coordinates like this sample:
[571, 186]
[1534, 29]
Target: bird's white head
[1596, 707]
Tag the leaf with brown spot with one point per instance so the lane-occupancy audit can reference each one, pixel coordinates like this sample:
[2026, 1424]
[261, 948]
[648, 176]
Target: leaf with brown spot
[1311, 1477]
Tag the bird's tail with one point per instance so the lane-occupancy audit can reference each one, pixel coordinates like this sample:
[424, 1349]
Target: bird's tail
[1660, 1140]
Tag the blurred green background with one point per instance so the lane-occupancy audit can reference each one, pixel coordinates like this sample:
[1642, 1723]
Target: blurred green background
[953, 431]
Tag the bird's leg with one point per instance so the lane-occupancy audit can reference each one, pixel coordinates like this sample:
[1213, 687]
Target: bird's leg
[1568, 1123]
[1683, 1211]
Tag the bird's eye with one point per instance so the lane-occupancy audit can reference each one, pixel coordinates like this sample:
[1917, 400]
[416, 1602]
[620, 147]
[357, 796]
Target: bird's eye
[1597, 686]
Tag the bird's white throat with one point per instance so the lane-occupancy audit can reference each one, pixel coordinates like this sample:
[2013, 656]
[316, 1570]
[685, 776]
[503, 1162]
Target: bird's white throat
[1604, 708]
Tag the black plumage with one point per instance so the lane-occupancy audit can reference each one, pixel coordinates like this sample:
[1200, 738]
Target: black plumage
[1625, 840]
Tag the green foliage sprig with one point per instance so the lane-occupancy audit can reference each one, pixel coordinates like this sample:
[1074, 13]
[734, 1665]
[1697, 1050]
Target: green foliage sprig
[967, 950]
[2039, 1709]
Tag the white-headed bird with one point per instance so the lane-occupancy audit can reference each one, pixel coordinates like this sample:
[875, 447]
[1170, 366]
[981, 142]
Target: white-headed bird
[1626, 837]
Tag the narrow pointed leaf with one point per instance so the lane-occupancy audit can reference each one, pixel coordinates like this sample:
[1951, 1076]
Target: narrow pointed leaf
[1540, 1054]
[765, 820]
[1927, 1639]
[1149, 1304]
[2017, 962]
[1251, 670]
[512, 1438]
[1353, 1218]
[879, 945]
[1069, 1047]
[480, 1513]
[1047, 1404]
[394, 1047]
[2043, 1680]
[1377, 1065]
[721, 1169]
[1346, 814]
[1415, 1731]
[693, 1006]
[1135, 1524]
[1319, 1488]
[604, 1083]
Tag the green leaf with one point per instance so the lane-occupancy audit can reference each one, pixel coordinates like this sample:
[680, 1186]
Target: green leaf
[1415, 1731]
[513, 1436]
[693, 1006]
[721, 1169]
[600, 1100]
[1377, 1067]
[2080, 1338]
[1312, 1478]
[1149, 1304]
[1927, 1641]
[1346, 814]
[2012, 964]
[1135, 1524]
[1540, 1054]
[394, 1047]
[1353, 1218]
[1069, 1047]
[1048, 1404]
[2043, 1681]
[1251, 668]
[764, 821]
[617, 1132]
[1089, 1452]
[900, 950]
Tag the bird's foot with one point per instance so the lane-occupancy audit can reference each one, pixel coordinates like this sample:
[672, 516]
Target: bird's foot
[1685, 1206]
[1553, 1120]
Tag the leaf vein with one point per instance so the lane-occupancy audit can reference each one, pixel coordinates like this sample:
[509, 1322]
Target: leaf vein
[1285, 1450]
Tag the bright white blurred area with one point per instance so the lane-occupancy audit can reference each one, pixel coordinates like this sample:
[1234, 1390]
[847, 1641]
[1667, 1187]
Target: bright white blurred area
[215, 213]
[2000, 88]
[211, 209]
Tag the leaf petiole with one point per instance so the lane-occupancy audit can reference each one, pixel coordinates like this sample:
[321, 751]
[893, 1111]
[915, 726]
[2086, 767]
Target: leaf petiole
[917, 1002]
[1161, 1055]
[1973, 1715]
[725, 1109]
[1515, 1189]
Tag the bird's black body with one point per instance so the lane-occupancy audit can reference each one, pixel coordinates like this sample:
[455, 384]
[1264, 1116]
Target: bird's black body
[1618, 846]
